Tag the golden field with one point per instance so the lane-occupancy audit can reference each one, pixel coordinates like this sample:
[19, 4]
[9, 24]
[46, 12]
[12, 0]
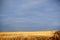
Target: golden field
[39, 35]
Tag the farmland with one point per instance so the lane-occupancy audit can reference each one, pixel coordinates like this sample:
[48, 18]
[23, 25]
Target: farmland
[39, 35]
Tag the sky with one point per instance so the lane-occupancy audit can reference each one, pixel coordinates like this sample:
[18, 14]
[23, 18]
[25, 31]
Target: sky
[29, 15]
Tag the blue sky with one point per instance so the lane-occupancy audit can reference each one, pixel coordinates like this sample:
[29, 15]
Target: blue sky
[30, 15]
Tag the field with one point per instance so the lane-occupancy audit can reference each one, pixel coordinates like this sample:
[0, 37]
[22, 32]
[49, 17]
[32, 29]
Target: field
[39, 35]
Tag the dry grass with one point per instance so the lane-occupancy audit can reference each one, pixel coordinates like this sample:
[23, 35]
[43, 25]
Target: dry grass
[43, 35]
